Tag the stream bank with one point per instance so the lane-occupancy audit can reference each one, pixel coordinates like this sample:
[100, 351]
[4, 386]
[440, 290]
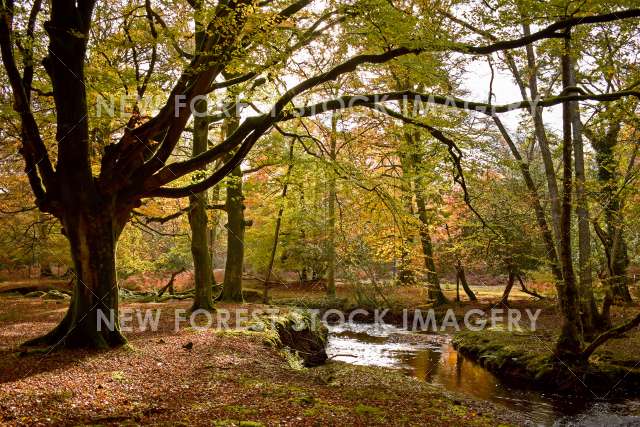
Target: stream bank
[527, 358]
[433, 359]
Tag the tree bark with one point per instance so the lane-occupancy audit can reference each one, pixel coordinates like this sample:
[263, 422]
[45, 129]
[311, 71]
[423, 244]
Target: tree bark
[504, 301]
[434, 292]
[461, 275]
[276, 232]
[569, 342]
[587, 300]
[198, 221]
[536, 203]
[541, 137]
[406, 274]
[232, 286]
[92, 237]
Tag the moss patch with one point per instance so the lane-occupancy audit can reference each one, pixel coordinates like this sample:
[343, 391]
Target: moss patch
[527, 359]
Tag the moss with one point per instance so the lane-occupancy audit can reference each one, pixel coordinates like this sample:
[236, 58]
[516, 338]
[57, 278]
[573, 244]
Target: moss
[300, 335]
[241, 423]
[118, 376]
[366, 410]
[527, 359]
[240, 410]
[324, 409]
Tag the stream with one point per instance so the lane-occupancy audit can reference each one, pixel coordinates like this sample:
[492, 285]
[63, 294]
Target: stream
[432, 358]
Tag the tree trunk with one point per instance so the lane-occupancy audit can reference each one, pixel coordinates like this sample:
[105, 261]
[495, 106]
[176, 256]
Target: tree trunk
[541, 137]
[460, 273]
[232, 286]
[570, 340]
[276, 232]
[213, 228]
[198, 221]
[541, 219]
[331, 226]
[504, 301]
[92, 238]
[434, 291]
[406, 274]
[587, 299]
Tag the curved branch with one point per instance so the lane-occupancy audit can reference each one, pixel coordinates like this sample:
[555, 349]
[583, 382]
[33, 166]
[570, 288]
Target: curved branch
[606, 336]
[251, 129]
[34, 151]
[551, 31]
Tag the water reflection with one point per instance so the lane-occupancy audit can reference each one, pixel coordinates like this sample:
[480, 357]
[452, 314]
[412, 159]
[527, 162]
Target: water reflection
[433, 359]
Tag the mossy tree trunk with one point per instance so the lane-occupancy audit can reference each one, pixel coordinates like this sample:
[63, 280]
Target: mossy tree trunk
[198, 221]
[92, 317]
[232, 285]
[569, 344]
[434, 291]
[406, 274]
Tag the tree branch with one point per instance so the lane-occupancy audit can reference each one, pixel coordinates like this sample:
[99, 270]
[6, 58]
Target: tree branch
[606, 336]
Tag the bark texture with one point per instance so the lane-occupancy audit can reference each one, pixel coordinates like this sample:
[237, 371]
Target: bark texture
[198, 221]
[232, 286]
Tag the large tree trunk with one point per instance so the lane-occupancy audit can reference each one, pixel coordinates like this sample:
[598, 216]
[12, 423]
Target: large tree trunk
[434, 291]
[406, 274]
[570, 340]
[232, 285]
[92, 318]
[203, 272]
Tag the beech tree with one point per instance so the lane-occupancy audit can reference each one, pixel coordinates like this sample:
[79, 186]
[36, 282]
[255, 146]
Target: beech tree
[92, 192]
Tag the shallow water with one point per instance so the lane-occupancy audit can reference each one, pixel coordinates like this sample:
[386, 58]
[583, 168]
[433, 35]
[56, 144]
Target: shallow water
[431, 358]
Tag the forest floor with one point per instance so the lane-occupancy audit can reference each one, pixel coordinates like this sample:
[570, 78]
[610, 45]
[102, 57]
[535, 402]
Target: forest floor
[233, 378]
[208, 377]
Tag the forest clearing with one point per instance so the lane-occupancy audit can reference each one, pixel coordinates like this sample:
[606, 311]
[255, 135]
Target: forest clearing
[312, 212]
